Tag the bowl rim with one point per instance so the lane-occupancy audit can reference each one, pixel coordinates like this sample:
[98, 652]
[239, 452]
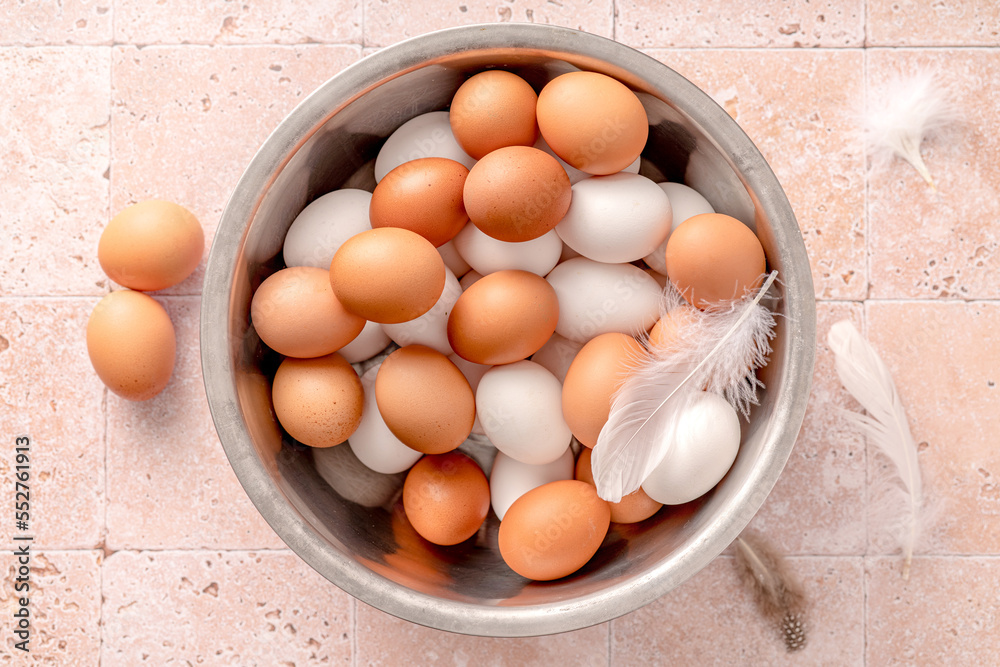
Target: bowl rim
[354, 578]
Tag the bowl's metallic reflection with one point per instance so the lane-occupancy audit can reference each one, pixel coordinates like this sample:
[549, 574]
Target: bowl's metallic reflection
[329, 140]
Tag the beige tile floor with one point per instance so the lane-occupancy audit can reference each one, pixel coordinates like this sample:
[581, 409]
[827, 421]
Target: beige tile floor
[150, 551]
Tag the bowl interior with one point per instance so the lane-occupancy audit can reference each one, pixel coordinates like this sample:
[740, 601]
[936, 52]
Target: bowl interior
[347, 521]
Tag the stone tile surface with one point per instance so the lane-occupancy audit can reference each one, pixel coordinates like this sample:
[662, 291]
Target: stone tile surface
[818, 505]
[187, 120]
[718, 23]
[91, 123]
[169, 482]
[945, 360]
[947, 613]
[711, 620]
[800, 109]
[933, 22]
[54, 157]
[221, 608]
[50, 393]
[56, 22]
[385, 640]
[926, 244]
[389, 21]
[64, 607]
[246, 22]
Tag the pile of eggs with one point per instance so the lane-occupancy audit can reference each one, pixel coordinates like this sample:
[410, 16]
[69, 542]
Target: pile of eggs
[149, 246]
[513, 253]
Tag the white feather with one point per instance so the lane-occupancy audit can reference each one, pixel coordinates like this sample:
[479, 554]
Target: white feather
[913, 108]
[866, 377]
[719, 351]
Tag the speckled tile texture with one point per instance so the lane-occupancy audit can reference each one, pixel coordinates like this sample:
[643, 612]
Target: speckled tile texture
[231, 608]
[711, 619]
[169, 482]
[953, 248]
[384, 641]
[147, 550]
[65, 608]
[718, 23]
[54, 169]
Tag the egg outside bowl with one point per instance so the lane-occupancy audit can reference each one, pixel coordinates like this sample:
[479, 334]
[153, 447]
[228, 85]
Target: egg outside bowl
[366, 547]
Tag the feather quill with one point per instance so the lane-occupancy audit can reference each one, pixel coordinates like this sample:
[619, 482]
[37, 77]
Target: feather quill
[777, 593]
[866, 377]
[915, 107]
[718, 351]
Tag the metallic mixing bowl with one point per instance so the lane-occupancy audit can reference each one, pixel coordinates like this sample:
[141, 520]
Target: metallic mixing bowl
[356, 536]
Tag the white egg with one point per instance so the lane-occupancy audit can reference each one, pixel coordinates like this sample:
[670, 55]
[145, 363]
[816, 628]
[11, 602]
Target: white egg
[322, 227]
[575, 175]
[353, 480]
[470, 279]
[473, 372]
[660, 278]
[567, 253]
[431, 328]
[373, 443]
[520, 408]
[596, 298]
[369, 342]
[556, 355]
[704, 448]
[685, 202]
[453, 260]
[510, 479]
[427, 135]
[616, 218]
[486, 254]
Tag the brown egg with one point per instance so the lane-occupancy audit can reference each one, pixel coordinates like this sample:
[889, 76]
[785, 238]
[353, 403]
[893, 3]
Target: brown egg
[296, 314]
[424, 196]
[425, 399]
[319, 400]
[633, 508]
[151, 245]
[597, 371]
[446, 497]
[670, 328]
[504, 317]
[593, 122]
[131, 344]
[713, 257]
[491, 110]
[517, 193]
[387, 275]
[553, 530]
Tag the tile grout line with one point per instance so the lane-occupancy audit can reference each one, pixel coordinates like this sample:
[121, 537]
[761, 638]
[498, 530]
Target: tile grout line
[362, 23]
[638, 47]
[614, 33]
[354, 631]
[107, 216]
[864, 313]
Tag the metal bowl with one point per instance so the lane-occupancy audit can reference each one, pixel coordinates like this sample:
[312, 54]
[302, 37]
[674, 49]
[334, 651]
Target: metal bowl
[363, 544]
